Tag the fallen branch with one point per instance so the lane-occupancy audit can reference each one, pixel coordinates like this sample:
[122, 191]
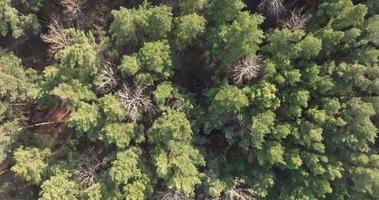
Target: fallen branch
[39, 124]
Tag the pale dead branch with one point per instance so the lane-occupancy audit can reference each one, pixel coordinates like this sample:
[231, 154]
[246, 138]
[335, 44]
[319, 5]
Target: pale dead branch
[39, 124]
[245, 69]
[89, 166]
[273, 8]
[135, 102]
[296, 20]
[106, 80]
[72, 8]
[238, 193]
[56, 37]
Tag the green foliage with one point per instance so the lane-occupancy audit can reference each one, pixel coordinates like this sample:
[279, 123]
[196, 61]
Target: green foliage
[366, 181]
[169, 97]
[264, 96]
[156, 57]
[12, 22]
[310, 46]
[93, 192]
[79, 59]
[30, 163]
[230, 42]
[145, 78]
[360, 131]
[16, 82]
[59, 187]
[85, 119]
[163, 92]
[228, 106]
[283, 43]
[225, 10]
[373, 6]
[371, 28]
[230, 100]
[272, 154]
[129, 65]
[130, 174]
[261, 124]
[174, 157]
[140, 25]
[330, 39]
[112, 108]
[215, 187]
[188, 28]
[190, 6]
[121, 134]
[73, 92]
[9, 132]
[341, 13]
[73, 76]
[155, 110]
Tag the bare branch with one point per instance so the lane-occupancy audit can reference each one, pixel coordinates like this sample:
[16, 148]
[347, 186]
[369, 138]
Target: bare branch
[296, 20]
[273, 8]
[245, 69]
[89, 165]
[39, 124]
[106, 80]
[56, 37]
[135, 102]
[237, 193]
[72, 8]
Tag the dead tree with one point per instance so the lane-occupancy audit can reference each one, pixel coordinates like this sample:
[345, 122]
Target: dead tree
[296, 20]
[106, 80]
[238, 193]
[135, 102]
[89, 166]
[72, 8]
[273, 8]
[245, 69]
[56, 37]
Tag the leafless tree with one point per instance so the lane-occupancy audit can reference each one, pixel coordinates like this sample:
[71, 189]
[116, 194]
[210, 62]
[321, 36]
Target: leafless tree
[237, 193]
[245, 69]
[273, 8]
[106, 80]
[296, 20]
[171, 195]
[72, 8]
[89, 165]
[56, 37]
[135, 102]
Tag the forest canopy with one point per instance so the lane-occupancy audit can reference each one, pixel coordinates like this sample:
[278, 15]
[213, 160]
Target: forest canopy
[189, 99]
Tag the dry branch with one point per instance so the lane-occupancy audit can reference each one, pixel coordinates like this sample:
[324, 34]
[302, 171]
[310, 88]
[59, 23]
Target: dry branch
[72, 8]
[135, 102]
[88, 168]
[273, 8]
[245, 69]
[56, 37]
[296, 20]
[39, 124]
[106, 80]
[237, 193]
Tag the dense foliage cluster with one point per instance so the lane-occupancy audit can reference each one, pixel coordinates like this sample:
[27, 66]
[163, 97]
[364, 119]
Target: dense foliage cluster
[189, 99]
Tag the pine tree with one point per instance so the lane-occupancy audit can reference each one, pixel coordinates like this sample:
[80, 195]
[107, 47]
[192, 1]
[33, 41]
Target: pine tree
[175, 159]
[30, 163]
